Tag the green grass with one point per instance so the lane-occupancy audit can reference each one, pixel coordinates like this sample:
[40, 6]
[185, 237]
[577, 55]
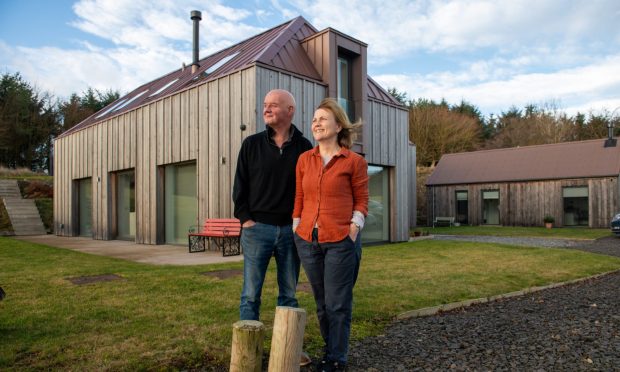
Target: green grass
[5, 221]
[46, 211]
[172, 317]
[562, 232]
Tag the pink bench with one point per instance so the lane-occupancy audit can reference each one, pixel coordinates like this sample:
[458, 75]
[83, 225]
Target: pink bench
[225, 234]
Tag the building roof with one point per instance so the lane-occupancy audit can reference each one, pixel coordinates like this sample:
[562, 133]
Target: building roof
[277, 47]
[583, 159]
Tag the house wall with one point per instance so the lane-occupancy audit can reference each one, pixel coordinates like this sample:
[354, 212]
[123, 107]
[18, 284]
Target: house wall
[200, 125]
[526, 203]
[388, 145]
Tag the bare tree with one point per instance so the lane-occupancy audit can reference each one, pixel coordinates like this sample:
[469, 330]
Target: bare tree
[436, 130]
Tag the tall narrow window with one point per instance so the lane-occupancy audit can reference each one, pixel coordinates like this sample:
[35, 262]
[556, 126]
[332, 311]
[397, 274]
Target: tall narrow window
[461, 207]
[126, 206]
[377, 225]
[85, 207]
[345, 90]
[576, 209]
[180, 201]
[490, 207]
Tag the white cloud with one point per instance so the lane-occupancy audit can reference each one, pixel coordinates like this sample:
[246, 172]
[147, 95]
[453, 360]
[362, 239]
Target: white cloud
[579, 88]
[396, 27]
[150, 39]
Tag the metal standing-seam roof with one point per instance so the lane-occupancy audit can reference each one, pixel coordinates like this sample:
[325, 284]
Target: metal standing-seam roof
[278, 47]
[583, 159]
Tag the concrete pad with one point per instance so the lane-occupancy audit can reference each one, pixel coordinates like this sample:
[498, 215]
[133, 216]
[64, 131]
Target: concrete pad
[143, 253]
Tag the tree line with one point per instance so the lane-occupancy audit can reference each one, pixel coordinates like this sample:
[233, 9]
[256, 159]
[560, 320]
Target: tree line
[438, 128]
[30, 119]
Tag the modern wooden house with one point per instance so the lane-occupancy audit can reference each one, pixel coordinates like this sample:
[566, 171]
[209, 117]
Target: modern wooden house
[578, 183]
[162, 158]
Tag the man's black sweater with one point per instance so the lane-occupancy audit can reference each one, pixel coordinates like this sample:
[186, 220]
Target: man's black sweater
[264, 189]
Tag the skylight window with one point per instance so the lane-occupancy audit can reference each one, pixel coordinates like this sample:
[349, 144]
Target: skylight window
[130, 100]
[164, 87]
[221, 62]
[111, 108]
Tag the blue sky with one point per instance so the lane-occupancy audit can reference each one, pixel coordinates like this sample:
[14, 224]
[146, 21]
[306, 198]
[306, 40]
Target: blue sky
[493, 54]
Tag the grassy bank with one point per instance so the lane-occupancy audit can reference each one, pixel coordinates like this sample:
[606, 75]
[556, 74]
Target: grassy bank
[172, 317]
[562, 232]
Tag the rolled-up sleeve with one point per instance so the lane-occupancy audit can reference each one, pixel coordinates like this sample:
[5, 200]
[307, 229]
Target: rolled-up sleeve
[359, 184]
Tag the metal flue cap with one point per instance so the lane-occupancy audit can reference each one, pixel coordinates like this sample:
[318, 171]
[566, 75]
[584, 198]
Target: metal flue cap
[196, 15]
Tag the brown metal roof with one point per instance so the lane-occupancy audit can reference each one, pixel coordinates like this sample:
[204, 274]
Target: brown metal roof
[376, 92]
[278, 47]
[584, 159]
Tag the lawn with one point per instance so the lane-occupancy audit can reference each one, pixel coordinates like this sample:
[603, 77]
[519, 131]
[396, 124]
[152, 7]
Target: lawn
[561, 232]
[173, 317]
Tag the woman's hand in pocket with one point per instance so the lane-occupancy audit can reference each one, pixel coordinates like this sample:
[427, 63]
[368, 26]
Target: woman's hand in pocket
[354, 230]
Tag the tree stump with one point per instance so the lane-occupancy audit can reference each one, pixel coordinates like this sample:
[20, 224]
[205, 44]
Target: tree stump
[287, 340]
[247, 346]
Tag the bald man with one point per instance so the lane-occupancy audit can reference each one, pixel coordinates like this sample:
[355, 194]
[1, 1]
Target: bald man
[264, 193]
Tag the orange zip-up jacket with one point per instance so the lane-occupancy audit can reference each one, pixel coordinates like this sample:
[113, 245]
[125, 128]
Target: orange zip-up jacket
[326, 196]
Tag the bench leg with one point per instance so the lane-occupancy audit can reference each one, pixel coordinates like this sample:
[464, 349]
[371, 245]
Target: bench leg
[196, 243]
[229, 246]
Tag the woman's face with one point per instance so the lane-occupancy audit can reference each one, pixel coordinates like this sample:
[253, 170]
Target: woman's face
[324, 126]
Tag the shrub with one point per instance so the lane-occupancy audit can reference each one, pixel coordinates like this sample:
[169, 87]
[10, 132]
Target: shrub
[549, 219]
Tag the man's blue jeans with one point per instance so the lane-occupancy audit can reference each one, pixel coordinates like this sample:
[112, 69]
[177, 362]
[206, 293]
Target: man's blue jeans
[260, 242]
[332, 270]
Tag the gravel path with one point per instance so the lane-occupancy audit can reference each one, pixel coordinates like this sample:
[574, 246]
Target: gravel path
[575, 327]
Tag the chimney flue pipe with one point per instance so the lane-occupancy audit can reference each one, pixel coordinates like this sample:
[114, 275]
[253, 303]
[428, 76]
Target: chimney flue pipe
[196, 17]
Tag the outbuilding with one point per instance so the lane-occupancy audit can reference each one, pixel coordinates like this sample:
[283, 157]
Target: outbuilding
[575, 183]
[162, 157]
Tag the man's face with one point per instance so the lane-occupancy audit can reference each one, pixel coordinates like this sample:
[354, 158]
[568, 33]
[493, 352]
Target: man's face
[276, 109]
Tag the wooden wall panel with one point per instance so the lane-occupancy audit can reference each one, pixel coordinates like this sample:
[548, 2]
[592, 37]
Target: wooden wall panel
[140, 166]
[526, 203]
[202, 165]
[175, 123]
[226, 126]
[214, 150]
[236, 134]
[151, 174]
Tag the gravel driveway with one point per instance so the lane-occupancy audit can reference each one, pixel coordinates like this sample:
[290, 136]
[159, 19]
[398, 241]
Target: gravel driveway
[575, 327]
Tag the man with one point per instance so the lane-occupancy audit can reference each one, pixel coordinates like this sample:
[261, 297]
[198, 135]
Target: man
[264, 193]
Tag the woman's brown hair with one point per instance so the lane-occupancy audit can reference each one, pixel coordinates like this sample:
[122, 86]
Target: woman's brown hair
[348, 129]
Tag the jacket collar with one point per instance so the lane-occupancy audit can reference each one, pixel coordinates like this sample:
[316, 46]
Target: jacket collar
[343, 152]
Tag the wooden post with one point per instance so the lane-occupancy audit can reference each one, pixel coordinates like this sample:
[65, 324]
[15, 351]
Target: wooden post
[287, 340]
[247, 346]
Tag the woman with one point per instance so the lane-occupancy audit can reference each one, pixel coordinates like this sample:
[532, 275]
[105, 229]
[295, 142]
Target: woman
[331, 202]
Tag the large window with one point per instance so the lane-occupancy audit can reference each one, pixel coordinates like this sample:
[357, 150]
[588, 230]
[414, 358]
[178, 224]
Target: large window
[126, 205]
[461, 207]
[345, 89]
[181, 208]
[490, 207]
[85, 206]
[377, 226]
[575, 206]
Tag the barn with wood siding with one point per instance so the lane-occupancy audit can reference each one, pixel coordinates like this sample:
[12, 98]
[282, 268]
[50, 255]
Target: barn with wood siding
[577, 183]
[162, 158]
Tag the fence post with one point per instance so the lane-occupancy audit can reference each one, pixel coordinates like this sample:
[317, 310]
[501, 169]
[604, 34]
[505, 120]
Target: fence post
[247, 346]
[287, 340]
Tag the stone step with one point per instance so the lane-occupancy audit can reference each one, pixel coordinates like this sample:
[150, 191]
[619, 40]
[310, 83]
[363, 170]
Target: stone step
[9, 188]
[24, 216]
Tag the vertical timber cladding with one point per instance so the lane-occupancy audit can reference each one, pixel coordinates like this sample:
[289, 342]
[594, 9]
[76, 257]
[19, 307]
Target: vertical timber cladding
[526, 203]
[388, 145]
[223, 106]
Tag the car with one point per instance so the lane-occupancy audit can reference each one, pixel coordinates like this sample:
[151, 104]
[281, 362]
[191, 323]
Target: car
[615, 224]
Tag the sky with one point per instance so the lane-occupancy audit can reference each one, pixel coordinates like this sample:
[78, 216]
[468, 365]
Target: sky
[494, 54]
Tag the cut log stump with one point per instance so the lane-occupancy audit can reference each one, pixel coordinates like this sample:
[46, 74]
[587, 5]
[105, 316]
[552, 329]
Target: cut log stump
[247, 346]
[287, 340]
